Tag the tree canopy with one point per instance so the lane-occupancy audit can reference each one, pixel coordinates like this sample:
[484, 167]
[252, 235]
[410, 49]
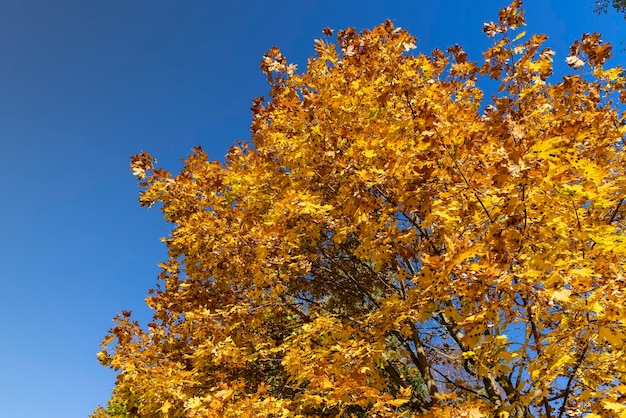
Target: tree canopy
[393, 244]
[601, 6]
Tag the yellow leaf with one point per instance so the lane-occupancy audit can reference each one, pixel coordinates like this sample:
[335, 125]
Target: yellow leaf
[574, 61]
[369, 153]
[446, 396]
[519, 36]
[613, 406]
[475, 413]
[469, 354]
[561, 295]
[166, 407]
[397, 402]
[612, 73]
[545, 147]
[613, 339]
[564, 359]
[327, 384]
[224, 394]
[597, 308]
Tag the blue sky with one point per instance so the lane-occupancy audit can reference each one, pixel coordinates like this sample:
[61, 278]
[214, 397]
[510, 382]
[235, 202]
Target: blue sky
[86, 84]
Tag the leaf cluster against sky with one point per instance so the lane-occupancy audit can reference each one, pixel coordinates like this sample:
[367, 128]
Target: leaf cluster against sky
[84, 86]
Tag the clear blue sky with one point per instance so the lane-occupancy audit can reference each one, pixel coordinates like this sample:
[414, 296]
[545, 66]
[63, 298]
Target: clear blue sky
[86, 84]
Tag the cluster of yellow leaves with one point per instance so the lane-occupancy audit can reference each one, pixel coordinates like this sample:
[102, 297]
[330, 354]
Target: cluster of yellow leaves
[391, 244]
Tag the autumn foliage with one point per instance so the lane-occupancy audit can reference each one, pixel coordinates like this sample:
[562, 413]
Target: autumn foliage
[393, 244]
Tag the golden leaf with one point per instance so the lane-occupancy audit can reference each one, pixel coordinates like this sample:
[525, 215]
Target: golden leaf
[166, 407]
[574, 61]
[613, 406]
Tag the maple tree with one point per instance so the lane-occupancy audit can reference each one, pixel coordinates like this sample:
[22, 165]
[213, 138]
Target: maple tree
[601, 6]
[393, 244]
